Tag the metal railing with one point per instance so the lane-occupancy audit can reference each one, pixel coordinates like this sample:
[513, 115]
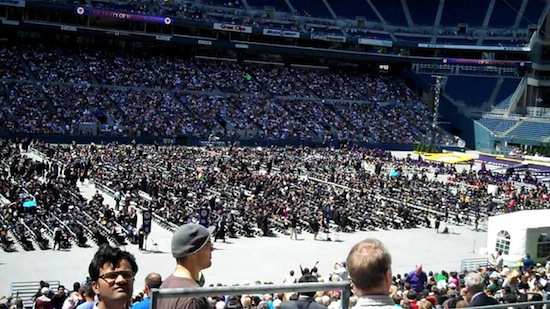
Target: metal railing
[530, 305]
[344, 286]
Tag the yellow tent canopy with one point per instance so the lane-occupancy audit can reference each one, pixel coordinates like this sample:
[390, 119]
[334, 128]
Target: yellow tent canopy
[450, 158]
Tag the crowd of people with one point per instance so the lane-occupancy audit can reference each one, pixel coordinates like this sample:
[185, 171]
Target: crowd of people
[368, 268]
[247, 192]
[90, 91]
[58, 216]
[244, 191]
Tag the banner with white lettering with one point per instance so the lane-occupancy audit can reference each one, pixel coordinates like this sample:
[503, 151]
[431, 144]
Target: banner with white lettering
[233, 28]
[283, 33]
[328, 37]
[375, 42]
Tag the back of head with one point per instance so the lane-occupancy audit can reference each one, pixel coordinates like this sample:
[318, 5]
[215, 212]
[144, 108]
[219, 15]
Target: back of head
[308, 278]
[153, 280]
[368, 264]
[19, 303]
[87, 291]
[474, 282]
[76, 286]
[396, 297]
[233, 303]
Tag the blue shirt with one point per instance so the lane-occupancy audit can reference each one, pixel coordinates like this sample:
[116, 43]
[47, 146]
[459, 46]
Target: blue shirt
[144, 304]
[416, 280]
[86, 305]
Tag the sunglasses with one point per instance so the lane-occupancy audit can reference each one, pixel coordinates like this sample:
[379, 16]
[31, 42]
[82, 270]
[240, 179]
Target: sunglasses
[112, 276]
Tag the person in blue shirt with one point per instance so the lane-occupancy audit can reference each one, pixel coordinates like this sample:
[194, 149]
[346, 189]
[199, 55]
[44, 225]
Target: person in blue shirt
[527, 262]
[89, 297]
[417, 278]
[152, 281]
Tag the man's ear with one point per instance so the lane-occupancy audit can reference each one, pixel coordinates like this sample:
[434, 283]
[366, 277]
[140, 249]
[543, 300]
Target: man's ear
[95, 287]
[388, 277]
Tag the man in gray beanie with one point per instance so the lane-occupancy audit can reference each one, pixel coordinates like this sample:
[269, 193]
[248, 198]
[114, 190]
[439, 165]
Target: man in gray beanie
[192, 249]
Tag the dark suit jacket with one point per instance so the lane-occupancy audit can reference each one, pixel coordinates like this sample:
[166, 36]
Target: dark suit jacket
[483, 300]
[303, 302]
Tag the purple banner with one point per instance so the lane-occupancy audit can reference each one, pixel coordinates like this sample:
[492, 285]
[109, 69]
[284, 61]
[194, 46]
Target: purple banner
[123, 15]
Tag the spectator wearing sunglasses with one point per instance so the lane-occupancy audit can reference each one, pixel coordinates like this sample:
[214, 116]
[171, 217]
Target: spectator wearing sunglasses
[112, 272]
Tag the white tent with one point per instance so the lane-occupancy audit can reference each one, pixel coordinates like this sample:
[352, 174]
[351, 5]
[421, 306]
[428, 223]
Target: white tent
[521, 232]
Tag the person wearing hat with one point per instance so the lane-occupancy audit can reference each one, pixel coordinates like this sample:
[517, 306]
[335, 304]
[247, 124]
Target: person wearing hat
[192, 249]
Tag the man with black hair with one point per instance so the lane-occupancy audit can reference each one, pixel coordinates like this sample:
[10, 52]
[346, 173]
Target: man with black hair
[112, 272]
[152, 281]
[88, 296]
[305, 299]
[59, 298]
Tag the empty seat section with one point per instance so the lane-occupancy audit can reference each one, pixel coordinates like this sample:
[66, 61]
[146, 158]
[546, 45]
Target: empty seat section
[279, 5]
[531, 130]
[504, 13]
[533, 12]
[423, 12]
[353, 8]
[455, 12]
[508, 87]
[391, 11]
[473, 91]
[497, 125]
[313, 8]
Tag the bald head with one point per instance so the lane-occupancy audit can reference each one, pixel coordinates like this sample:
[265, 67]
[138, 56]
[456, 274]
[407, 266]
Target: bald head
[153, 280]
[369, 266]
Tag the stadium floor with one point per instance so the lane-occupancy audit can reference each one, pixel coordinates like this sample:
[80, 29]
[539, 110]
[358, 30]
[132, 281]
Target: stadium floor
[250, 259]
[246, 260]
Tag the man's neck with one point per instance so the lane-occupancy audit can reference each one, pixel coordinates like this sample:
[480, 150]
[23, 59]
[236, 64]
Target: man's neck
[184, 272]
[381, 292]
[110, 305]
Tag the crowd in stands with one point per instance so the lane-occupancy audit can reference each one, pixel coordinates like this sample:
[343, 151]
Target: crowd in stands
[161, 95]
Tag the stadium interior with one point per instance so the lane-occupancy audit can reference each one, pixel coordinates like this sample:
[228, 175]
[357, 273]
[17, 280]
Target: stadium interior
[134, 82]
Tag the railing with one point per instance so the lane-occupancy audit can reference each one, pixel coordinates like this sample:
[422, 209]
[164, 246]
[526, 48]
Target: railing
[257, 289]
[531, 305]
[297, 287]
[27, 289]
[473, 264]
